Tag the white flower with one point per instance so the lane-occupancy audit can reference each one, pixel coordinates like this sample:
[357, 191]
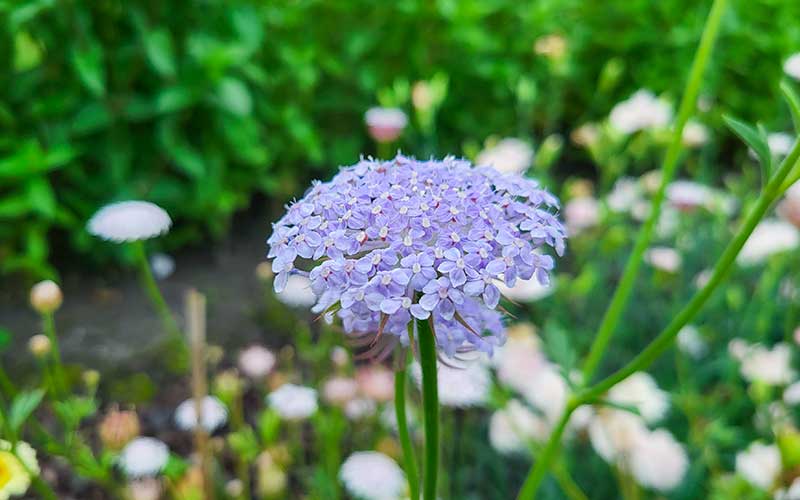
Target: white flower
[792, 66]
[385, 124]
[129, 221]
[256, 361]
[760, 464]
[769, 366]
[376, 382]
[791, 395]
[371, 475]
[658, 461]
[664, 258]
[144, 456]
[26, 455]
[214, 414]
[297, 292]
[518, 361]
[547, 391]
[641, 392]
[512, 429]
[526, 290]
[460, 386]
[691, 342]
[687, 195]
[293, 402]
[780, 143]
[581, 213]
[614, 433]
[695, 134]
[359, 408]
[339, 390]
[643, 110]
[625, 194]
[162, 266]
[771, 236]
[508, 155]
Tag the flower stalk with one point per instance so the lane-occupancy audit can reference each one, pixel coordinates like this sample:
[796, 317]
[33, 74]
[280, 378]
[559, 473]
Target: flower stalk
[409, 459]
[430, 404]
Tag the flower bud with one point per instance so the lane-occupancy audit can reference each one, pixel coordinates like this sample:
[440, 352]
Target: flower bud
[271, 480]
[46, 297]
[91, 378]
[228, 385]
[264, 271]
[39, 345]
[422, 96]
[118, 428]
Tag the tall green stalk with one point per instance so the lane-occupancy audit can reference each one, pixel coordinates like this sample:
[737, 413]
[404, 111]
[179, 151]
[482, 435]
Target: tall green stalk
[409, 459]
[430, 406]
[153, 292]
[625, 287]
[663, 341]
[60, 385]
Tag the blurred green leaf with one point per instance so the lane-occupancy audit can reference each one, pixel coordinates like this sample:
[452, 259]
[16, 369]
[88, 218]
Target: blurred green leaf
[756, 140]
[5, 339]
[87, 59]
[160, 52]
[22, 406]
[794, 104]
[234, 97]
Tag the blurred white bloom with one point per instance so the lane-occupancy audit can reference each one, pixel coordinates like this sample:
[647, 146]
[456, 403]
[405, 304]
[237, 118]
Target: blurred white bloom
[508, 155]
[518, 361]
[553, 46]
[624, 195]
[460, 386]
[547, 391]
[25, 454]
[214, 414]
[144, 456]
[791, 395]
[512, 429]
[162, 266]
[702, 278]
[614, 433]
[792, 66]
[359, 408]
[339, 391]
[691, 342]
[371, 475]
[641, 392]
[780, 143]
[688, 195]
[46, 297]
[586, 135]
[256, 361]
[738, 349]
[760, 464]
[643, 110]
[385, 124]
[293, 402]
[297, 292]
[789, 207]
[663, 258]
[526, 290]
[581, 213]
[695, 134]
[658, 461]
[129, 221]
[376, 382]
[339, 356]
[769, 366]
[793, 493]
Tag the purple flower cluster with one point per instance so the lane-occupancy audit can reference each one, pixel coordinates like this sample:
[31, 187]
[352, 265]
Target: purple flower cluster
[388, 241]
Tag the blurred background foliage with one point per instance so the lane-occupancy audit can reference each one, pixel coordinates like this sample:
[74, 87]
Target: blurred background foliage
[199, 106]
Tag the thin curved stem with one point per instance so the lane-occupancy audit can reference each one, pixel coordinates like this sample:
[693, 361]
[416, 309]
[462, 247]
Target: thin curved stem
[625, 287]
[153, 292]
[545, 458]
[409, 459]
[430, 405]
[60, 385]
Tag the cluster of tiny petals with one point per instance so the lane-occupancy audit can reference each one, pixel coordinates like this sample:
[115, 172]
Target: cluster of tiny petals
[387, 241]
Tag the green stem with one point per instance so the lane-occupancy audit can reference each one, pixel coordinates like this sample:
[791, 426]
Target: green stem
[625, 287]
[43, 489]
[59, 380]
[153, 292]
[430, 405]
[567, 484]
[6, 386]
[409, 460]
[664, 339]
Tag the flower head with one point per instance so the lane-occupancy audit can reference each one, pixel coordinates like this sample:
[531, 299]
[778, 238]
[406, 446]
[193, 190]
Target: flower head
[144, 456]
[293, 402]
[14, 478]
[658, 461]
[214, 414]
[46, 297]
[759, 464]
[390, 241]
[643, 110]
[256, 361]
[771, 236]
[641, 392]
[508, 155]
[371, 475]
[385, 124]
[129, 221]
[515, 428]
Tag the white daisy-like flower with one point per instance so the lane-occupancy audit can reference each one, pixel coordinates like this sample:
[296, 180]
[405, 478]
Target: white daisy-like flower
[770, 237]
[759, 464]
[162, 266]
[695, 134]
[143, 456]
[371, 475]
[664, 259]
[293, 402]
[768, 366]
[460, 386]
[581, 213]
[657, 461]
[26, 455]
[547, 391]
[129, 221]
[792, 66]
[256, 361]
[513, 428]
[508, 155]
[526, 290]
[385, 124]
[614, 434]
[518, 361]
[641, 392]
[691, 342]
[214, 414]
[643, 110]
[297, 292]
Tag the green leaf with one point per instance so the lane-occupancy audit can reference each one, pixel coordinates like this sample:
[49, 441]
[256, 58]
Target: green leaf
[13, 206]
[91, 118]
[757, 141]
[41, 197]
[234, 97]
[794, 104]
[74, 410]
[87, 59]
[160, 52]
[24, 404]
[5, 339]
[244, 443]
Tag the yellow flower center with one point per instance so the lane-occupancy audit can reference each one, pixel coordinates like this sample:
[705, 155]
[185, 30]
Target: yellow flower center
[5, 471]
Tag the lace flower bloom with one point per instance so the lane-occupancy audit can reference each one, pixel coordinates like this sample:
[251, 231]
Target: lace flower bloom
[129, 221]
[144, 456]
[385, 242]
[214, 415]
[371, 475]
